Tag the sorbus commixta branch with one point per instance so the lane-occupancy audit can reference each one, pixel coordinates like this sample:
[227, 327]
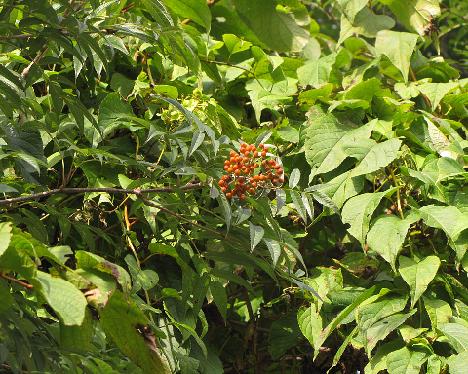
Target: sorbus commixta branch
[248, 171]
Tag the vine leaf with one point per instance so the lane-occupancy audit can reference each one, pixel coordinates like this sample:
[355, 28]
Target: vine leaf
[418, 275]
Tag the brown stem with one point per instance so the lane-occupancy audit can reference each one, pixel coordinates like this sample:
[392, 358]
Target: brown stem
[19, 36]
[36, 59]
[20, 282]
[80, 190]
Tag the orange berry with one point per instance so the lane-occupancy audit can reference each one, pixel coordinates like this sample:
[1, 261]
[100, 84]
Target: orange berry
[230, 170]
[279, 171]
[251, 190]
[221, 183]
[233, 153]
[264, 153]
[223, 189]
[280, 180]
[246, 153]
[261, 145]
[255, 154]
[237, 172]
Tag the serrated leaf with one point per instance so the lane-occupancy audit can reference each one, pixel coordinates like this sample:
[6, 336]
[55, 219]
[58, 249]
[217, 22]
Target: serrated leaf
[418, 275]
[299, 204]
[197, 140]
[256, 235]
[196, 10]
[294, 177]
[274, 248]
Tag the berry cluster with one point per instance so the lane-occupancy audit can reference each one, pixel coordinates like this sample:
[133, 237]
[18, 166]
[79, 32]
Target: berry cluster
[248, 171]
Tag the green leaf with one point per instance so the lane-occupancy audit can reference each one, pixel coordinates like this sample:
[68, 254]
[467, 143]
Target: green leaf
[398, 47]
[328, 142]
[196, 10]
[414, 14]
[378, 156]
[269, 95]
[358, 210]
[365, 23]
[78, 338]
[310, 324]
[406, 361]
[5, 236]
[278, 30]
[451, 220]
[439, 311]
[435, 92]
[256, 235]
[457, 335]
[299, 204]
[284, 334]
[218, 291]
[68, 301]
[316, 73]
[121, 319]
[350, 8]
[457, 363]
[418, 275]
[294, 178]
[394, 230]
[380, 330]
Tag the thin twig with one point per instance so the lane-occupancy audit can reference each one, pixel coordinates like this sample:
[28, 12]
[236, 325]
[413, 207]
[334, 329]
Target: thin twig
[36, 59]
[80, 190]
[19, 36]
[177, 215]
[20, 282]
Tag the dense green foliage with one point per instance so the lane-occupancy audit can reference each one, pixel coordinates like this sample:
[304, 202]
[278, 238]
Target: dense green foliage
[118, 253]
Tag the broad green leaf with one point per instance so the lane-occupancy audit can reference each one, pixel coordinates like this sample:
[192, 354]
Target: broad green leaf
[452, 221]
[67, 300]
[351, 7]
[5, 236]
[414, 14]
[121, 319]
[398, 47]
[196, 10]
[394, 230]
[457, 335]
[380, 330]
[434, 365]
[457, 363]
[310, 323]
[316, 73]
[78, 338]
[358, 210]
[278, 30]
[284, 334]
[418, 275]
[340, 318]
[435, 92]
[324, 280]
[269, 95]
[378, 156]
[365, 23]
[370, 314]
[256, 235]
[342, 187]
[439, 311]
[406, 361]
[378, 362]
[328, 142]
